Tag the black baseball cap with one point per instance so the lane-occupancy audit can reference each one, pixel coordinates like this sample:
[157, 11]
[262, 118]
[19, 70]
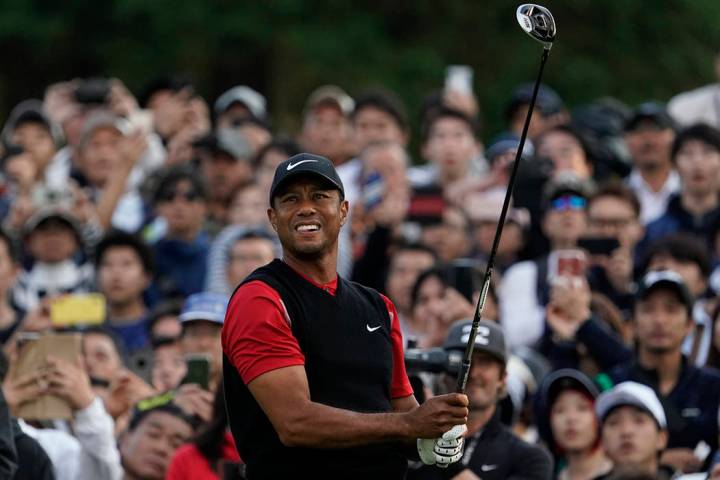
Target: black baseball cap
[306, 164]
[653, 111]
[490, 338]
[665, 279]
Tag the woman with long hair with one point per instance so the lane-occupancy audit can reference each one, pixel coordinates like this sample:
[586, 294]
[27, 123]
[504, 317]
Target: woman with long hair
[568, 425]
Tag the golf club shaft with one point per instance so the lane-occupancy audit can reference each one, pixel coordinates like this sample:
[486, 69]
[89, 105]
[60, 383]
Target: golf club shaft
[467, 357]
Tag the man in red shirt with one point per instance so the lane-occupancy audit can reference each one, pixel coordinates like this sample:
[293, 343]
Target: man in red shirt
[314, 371]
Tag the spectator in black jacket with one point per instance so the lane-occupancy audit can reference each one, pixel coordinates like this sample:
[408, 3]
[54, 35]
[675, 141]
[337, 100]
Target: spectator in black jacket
[492, 451]
[661, 319]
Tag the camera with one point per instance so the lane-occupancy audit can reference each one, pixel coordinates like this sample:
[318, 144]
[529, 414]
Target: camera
[433, 360]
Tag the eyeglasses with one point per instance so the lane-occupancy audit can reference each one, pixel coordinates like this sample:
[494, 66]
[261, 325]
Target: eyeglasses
[568, 202]
[170, 195]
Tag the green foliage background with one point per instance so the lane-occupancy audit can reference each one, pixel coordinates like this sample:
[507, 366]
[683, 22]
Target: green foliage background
[631, 49]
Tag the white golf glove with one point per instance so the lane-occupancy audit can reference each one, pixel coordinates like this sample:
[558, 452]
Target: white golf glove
[444, 450]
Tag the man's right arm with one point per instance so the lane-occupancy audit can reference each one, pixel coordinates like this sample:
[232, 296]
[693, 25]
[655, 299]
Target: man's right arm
[258, 341]
[284, 396]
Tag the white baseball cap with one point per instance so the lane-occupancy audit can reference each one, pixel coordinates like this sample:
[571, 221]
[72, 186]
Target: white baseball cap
[632, 394]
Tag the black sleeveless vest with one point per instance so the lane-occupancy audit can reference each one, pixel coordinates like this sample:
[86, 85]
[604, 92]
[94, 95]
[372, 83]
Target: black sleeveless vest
[348, 362]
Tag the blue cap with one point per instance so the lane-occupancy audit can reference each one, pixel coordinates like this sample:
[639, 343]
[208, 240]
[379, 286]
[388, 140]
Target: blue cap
[207, 306]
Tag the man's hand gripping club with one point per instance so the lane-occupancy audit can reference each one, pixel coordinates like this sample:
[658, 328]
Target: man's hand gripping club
[447, 448]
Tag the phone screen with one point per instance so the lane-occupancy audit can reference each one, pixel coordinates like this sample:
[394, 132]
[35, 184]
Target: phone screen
[198, 370]
[78, 309]
[567, 263]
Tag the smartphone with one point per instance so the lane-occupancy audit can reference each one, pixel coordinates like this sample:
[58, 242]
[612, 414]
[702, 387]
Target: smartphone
[461, 276]
[567, 263]
[77, 309]
[141, 363]
[459, 78]
[198, 370]
[373, 190]
[599, 245]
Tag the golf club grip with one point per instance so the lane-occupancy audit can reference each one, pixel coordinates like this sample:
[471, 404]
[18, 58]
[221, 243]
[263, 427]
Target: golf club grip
[467, 357]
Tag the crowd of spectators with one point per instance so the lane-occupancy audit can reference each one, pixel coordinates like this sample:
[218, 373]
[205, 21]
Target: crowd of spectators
[128, 219]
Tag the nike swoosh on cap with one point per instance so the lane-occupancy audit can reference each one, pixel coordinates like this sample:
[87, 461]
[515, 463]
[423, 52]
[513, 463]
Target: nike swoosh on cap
[371, 329]
[293, 165]
[488, 468]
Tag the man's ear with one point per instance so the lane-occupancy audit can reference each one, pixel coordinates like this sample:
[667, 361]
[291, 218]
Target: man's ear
[662, 440]
[344, 208]
[272, 217]
[502, 388]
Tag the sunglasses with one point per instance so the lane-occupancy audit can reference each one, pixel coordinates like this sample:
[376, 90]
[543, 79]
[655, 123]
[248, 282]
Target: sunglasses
[170, 195]
[568, 202]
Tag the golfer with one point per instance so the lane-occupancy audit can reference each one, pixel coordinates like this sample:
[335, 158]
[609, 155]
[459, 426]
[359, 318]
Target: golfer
[313, 364]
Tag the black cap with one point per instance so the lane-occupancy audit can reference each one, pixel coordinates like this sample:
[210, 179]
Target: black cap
[551, 386]
[307, 164]
[667, 279]
[653, 111]
[490, 338]
[548, 102]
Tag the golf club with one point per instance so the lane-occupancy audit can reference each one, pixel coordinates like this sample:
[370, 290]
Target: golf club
[539, 23]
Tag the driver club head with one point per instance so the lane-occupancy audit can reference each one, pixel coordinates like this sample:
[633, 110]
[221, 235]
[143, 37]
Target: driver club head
[537, 22]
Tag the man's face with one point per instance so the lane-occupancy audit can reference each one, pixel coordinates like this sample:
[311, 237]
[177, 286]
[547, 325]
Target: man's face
[327, 132]
[451, 146]
[52, 241]
[246, 255]
[405, 267]
[511, 242]
[649, 144]
[35, 139]
[610, 216]
[565, 221]
[486, 381]
[100, 156]
[248, 207]
[101, 356]
[168, 368]
[307, 215]
[121, 276]
[183, 208]
[631, 438]
[538, 122]
[224, 173]
[566, 153]
[698, 164]
[449, 238]
[390, 162]
[170, 110]
[167, 326]
[375, 125]
[266, 169]
[661, 322]
[689, 271]
[201, 337]
[146, 451]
